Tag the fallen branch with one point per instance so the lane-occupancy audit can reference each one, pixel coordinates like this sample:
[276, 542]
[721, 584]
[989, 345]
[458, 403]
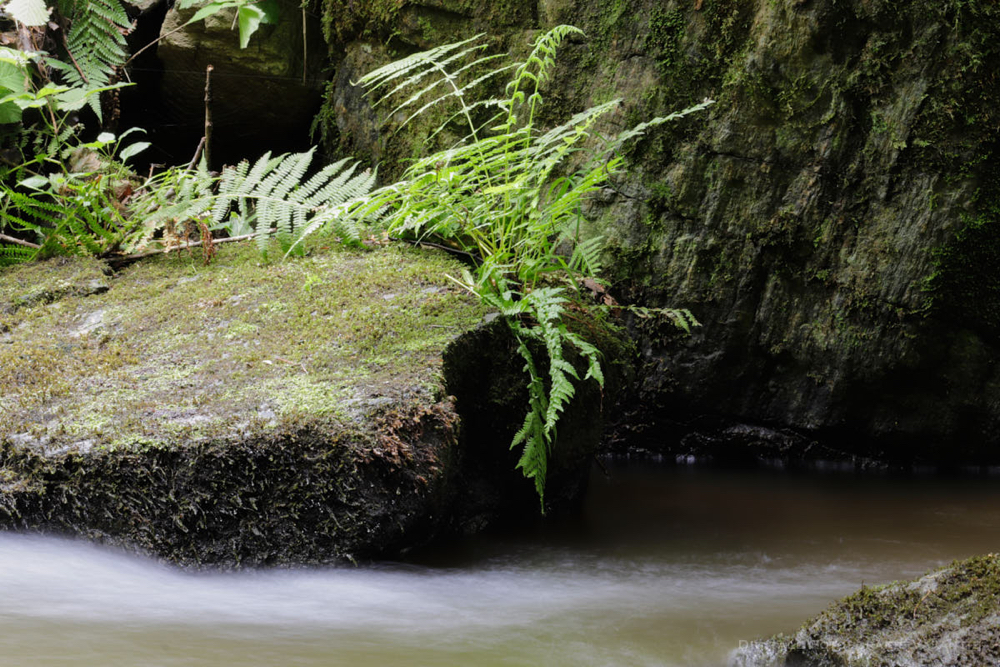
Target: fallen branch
[197, 153]
[26, 244]
[456, 251]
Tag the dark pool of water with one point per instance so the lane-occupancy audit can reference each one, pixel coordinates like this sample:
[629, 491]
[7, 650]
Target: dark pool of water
[666, 566]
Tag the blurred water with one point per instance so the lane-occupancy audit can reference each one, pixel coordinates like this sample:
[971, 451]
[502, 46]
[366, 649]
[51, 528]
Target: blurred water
[666, 566]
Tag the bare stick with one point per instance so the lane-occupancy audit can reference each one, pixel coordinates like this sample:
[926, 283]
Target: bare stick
[197, 152]
[428, 244]
[26, 244]
[305, 51]
[208, 116]
[72, 57]
[157, 41]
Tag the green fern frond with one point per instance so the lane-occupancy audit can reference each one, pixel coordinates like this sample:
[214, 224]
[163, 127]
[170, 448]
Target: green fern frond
[417, 63]
[533, 436]
[586, 258]
[682, 318]
[271, 198]
[96, 42]
[15, 254]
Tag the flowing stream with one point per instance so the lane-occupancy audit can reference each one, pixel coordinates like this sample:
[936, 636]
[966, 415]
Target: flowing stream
[666, 566]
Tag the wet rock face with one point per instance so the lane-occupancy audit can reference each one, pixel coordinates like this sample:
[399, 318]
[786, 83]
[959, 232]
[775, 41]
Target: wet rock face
[264, 96]
[830, 220]
[948, 617]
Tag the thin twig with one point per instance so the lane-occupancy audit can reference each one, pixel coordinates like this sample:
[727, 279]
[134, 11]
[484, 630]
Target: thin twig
[305, 49]
[156, 41]
[437, 245]
[197, 152]
[71, 57]
[208, 116]
[26, 244]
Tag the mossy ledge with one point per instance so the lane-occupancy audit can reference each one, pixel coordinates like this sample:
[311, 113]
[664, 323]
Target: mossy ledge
[947, 617]
[250, 413]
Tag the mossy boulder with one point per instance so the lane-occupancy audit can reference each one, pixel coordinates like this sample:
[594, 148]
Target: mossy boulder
[247, 412]
[948, 618]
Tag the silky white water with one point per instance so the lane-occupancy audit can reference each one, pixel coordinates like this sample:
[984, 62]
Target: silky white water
[665, 566]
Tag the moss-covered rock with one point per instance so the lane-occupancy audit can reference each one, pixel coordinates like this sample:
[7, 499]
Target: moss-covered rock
[234, 413]
[247, 413]
[948, 617]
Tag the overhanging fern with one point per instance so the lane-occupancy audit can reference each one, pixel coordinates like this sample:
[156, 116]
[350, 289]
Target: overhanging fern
[511, 194]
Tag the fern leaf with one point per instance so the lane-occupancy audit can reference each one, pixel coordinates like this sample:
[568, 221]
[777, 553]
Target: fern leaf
[15, 254]
[96, 41]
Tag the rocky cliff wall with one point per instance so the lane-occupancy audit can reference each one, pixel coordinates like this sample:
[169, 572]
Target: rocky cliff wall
[831, 220]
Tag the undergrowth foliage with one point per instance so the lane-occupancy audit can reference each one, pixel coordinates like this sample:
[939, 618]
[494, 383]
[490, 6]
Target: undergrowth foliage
[510, 193]
[96, 43]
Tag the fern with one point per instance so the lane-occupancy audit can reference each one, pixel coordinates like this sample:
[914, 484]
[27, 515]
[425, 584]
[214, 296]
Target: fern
[505, 194]
[84, 220]
[270, 199]
[15, 254]
[96, 43]
[287, 208]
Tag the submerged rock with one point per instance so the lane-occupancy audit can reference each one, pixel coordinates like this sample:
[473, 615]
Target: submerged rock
[947, 618]
[244, 413]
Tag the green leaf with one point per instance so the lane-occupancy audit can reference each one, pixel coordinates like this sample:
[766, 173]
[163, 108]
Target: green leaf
[9, 113]
[15, 57]
[13, 79]
[249, 18]
[35, 182]
[103, 139]
[209, 10]
[133, 149]
[272, 11]
[29, 12]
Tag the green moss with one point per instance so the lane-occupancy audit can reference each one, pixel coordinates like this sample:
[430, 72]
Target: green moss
[664, 39]
[965, 591]
[965, 285]
[181, 347]
[343, 21]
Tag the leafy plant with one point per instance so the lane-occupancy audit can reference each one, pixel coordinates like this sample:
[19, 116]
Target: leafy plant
[510, 193]
[271, 199]
[94, 39]
[105, 212]
[95, 43]
[250, 14]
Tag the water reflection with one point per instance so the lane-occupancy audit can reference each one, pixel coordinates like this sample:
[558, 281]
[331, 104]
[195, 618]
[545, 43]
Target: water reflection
[667, 566]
